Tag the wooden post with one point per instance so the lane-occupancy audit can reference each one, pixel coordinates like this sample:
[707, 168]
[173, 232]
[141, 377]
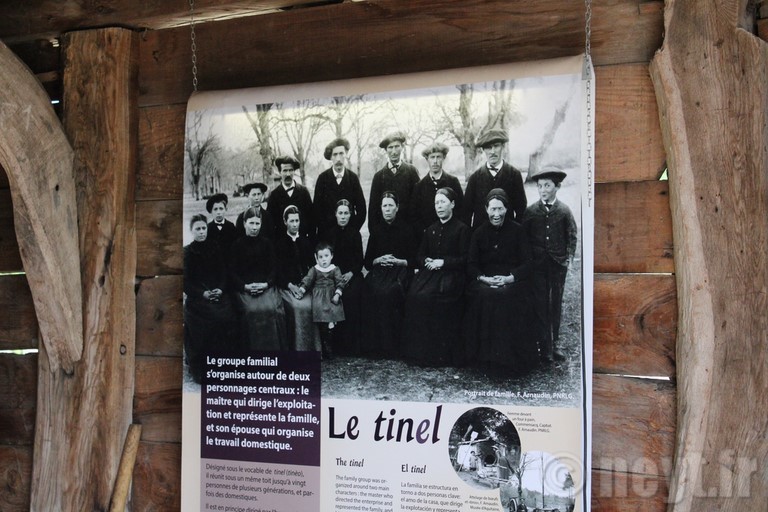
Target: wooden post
[82, 417]
[711, 81]
[38, 159]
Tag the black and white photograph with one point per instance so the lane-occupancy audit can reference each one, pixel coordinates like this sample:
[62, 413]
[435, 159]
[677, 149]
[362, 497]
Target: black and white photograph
[427, 242]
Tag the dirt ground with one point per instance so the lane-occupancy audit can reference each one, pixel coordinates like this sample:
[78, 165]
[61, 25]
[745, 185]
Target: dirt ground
[554, 385]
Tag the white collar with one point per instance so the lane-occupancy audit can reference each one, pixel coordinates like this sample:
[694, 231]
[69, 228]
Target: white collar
[330, 268]
[293, 237]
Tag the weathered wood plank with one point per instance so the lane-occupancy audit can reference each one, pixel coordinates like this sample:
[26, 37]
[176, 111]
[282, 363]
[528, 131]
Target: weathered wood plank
[628, 144]
[159, 237]
[633, 227]
[616, 491]
[15, 476]
[157, 477]
[18, 387]
[157, 400]
[255, 52]
[633, 424]
[714, 108]
[161, 152]
[635, 320]
[18, 323]
[35, 18]
[159, 330]
[10, 259]
[38, 160]
[83, 415]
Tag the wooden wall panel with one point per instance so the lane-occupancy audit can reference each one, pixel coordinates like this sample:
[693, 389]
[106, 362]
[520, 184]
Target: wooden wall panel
[628, 145]
[18, 324]
[157, 477]
[445, 32]
[18, 390]
[635, 320]
[159, 329]
[633, 227]
[159, 238]
[157, 399]
[161, 152]
[628, 492]
[10, 260]
[15, 475]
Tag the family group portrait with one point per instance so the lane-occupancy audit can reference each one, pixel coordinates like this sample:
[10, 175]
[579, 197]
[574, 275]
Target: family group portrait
[423, 241]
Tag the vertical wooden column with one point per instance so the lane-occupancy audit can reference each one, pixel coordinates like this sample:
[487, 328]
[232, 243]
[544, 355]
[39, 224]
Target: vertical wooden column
[83, 416]
[711, 81]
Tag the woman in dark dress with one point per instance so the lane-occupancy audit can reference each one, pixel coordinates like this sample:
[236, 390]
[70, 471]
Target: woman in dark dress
[434, 307]
[348, 256]
[388, 256]
[295, 256]
[209, 318]
[499, 292]
[253, 269]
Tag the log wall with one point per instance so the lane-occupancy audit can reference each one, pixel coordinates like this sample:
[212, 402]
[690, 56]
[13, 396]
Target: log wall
[635, 300]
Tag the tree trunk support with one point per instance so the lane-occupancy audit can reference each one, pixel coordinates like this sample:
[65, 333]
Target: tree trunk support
[83, 416]
[711, 82]
[37, 157]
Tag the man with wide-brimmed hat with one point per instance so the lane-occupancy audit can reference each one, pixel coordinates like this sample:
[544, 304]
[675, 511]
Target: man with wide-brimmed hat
[494, 173]
[552, 232]
[220, 230]
[289, 192]
[255, 194]
[423, 202]
[396, 176]
[335, 183]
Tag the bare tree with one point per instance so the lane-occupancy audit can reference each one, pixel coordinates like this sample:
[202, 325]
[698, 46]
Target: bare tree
[201, 151]
[261, 124]
[299, 126]
[519, 471]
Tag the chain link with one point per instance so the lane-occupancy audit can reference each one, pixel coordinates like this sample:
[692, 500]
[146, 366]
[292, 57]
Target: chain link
[588, 73]
[194, 43]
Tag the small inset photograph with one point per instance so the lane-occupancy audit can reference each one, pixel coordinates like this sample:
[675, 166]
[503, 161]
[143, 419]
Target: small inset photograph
[484, 448]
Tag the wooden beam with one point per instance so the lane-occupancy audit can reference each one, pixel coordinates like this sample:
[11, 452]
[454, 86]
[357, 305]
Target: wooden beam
[38, 160]
[711, 87]
[83, 416]
[433, 34]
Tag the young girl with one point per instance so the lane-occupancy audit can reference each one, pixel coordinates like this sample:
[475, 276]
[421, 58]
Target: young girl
[326, 282]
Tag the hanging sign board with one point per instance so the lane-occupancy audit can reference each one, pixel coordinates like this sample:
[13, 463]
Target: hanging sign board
[388, 293]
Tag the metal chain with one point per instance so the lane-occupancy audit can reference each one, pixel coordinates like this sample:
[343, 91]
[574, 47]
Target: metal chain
[588, 72]
[194, 43]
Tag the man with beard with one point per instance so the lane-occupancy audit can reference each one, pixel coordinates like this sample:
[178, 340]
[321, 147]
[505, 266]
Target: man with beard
[290, 193]
[334, 184]
[494, 173]
[396, 176]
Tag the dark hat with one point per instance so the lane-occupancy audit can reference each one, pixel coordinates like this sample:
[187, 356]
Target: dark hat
[392, 137]
[216, 198]
[334, 144]
[250, 186]
[288, 160]
[549, 171]
[436, 147]
[497, 193]
[488, 137]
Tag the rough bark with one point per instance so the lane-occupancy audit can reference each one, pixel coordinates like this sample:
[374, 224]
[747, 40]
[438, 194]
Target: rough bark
[711, 81]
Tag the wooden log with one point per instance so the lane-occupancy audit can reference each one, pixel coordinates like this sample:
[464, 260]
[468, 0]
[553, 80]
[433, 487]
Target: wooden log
[159, 318]
[159, 237]
[622, 491]
[635, 321]
[633, 424]
[34, 19]
[82, 416]
[628, 143]
[18, 324]
[15, 471]
[161, 152]
[157, 477]
[633, 227]
[18, 385]
[235, 53]
[711, 87]
[157, 400]
[38, 161]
